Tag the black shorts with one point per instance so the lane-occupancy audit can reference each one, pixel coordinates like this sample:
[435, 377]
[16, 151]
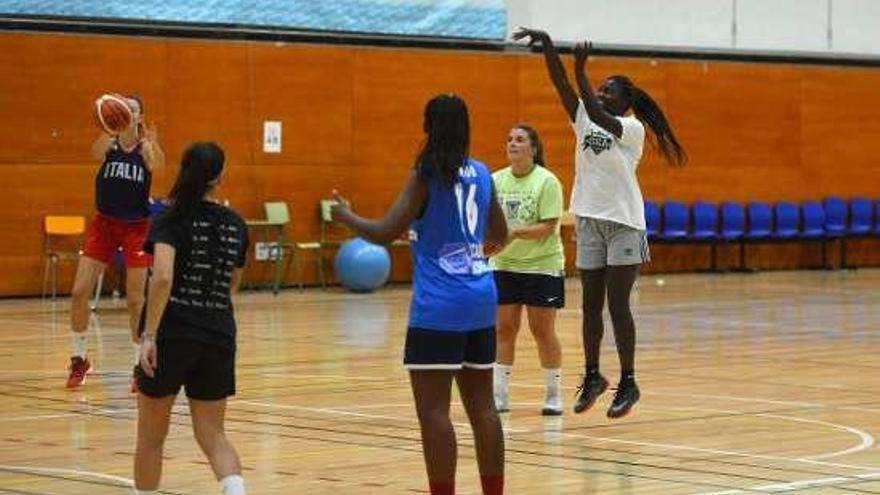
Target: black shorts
[530, 289]
[206, 371]
[449, 349]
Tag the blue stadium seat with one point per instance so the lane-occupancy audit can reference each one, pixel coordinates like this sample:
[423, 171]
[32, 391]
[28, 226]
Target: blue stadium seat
[705, 221]
[705, 217]
[815, 220]
[876, 229]
[652, 220]
[760, 222]
[675, 221]
[733, 221]
[861, 217]
[759, 226]
[787, 220]
[835, 217]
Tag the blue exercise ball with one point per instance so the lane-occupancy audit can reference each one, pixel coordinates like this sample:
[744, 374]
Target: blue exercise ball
[362, 266]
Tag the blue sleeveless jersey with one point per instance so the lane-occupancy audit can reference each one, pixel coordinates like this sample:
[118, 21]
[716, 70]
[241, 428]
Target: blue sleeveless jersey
[453, 286]
[122, 186]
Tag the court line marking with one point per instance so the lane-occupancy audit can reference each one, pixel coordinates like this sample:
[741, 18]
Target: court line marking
[866, 439]
[358, 415]
[45, 416]
[794, 485]
[702, 396]
[75, 472]
[860, 409]
[718, 452]
[741, 399]
[804, 460]
[279, 374]
[62, 372]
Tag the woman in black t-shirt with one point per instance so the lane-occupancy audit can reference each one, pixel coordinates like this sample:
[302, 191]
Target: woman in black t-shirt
[188, 340]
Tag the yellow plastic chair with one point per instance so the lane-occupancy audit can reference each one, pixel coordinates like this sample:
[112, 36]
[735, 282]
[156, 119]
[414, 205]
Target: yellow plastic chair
[59, 232]
[277, 212]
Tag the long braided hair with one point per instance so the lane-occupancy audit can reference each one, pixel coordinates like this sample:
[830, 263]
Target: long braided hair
[447, 139]
[647, 110]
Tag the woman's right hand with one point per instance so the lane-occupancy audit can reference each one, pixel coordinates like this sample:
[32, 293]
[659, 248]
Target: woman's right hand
[341, 208]
[533, 35]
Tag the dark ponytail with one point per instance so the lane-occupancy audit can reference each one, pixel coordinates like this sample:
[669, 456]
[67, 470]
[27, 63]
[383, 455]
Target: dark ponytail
[647, 110]
[201, 164]
[447, 143]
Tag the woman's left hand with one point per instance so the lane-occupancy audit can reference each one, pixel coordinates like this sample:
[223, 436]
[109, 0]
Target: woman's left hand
[148, 361]
[581, 52]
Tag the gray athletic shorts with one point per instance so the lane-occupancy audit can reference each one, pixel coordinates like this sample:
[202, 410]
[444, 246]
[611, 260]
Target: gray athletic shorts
[602, 243]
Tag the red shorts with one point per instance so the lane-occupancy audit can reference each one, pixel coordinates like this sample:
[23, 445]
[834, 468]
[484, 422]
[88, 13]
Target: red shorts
[106, 235]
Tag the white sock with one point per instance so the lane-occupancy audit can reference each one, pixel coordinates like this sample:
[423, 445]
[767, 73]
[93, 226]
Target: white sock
[232, 485]
[137, 353]
[502, 377]
[80, 343]
[552, 380]
[145, 492]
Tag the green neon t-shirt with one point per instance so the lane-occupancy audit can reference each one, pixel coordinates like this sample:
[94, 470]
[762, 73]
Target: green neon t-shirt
[525, 201]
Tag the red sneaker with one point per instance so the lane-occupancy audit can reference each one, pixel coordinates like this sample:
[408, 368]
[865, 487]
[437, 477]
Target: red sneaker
[78, 369]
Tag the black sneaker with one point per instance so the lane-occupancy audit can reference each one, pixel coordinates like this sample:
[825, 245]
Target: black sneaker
[590, 390]
[624, 399]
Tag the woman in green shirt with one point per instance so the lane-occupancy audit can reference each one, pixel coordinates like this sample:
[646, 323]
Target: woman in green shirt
[529, 271]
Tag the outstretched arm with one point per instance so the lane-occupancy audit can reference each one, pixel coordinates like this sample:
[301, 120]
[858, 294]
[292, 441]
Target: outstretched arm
[554, 66]
[597, 114]
[396, 220]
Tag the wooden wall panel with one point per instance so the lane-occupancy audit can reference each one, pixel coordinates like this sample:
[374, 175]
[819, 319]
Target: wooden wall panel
[738, 122]
[352, 119]
[840, 131]
[309, 89]
[208, 98]
[50, 82]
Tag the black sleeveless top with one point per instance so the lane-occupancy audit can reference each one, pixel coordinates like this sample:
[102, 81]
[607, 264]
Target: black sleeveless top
[122, 186]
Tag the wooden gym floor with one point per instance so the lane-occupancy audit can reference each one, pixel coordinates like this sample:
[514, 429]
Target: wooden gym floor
[760, 383]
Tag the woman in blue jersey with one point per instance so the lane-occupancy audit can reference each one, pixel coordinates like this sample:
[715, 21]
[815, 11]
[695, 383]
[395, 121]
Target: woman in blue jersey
[449, 202]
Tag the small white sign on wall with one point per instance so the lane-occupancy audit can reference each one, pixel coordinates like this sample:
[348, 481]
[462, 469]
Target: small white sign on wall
[271, 136]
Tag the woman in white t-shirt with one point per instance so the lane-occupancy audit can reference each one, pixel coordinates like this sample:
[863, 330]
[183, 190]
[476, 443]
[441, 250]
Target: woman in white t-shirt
[607, 201]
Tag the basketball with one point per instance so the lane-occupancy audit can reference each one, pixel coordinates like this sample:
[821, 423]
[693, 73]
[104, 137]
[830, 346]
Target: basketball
[113, 113]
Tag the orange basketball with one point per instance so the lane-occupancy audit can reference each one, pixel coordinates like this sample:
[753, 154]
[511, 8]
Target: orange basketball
[113, 113]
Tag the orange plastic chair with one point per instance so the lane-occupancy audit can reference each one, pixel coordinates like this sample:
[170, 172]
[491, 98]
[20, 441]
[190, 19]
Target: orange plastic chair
[62, 239]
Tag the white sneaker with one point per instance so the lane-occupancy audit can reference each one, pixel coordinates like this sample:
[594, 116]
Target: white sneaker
[552, 398]
[552, 404]
[502, 401]
[501, 384]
